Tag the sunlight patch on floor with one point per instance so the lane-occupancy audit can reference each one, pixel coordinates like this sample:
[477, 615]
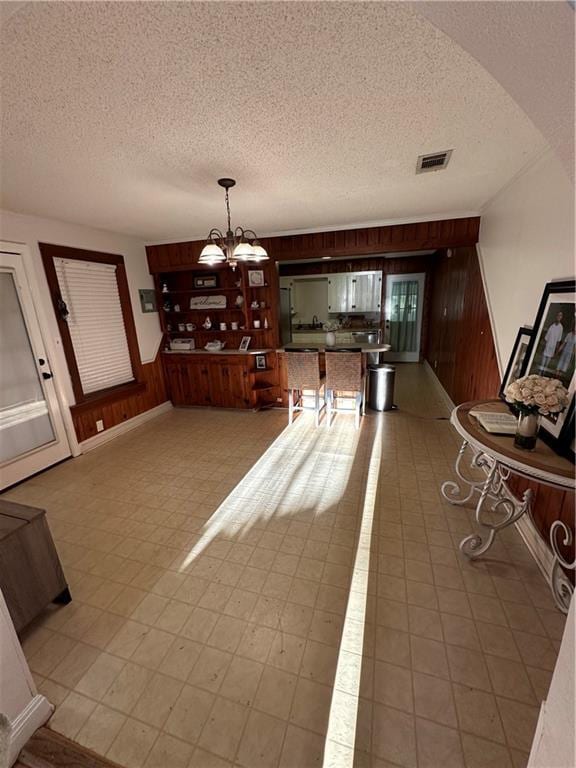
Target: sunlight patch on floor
[288, 478]
[341, 734]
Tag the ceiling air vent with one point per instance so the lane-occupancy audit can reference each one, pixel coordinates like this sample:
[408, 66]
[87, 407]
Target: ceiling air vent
[434, 162]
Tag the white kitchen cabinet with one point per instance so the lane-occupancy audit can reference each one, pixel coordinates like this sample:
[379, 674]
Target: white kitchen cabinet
[355, 292]
[339, 293]
[366, 292]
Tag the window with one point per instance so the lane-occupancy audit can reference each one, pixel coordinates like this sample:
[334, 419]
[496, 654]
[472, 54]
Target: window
[92, 304]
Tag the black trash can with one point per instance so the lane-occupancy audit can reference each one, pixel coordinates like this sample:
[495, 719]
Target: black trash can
[381, 387]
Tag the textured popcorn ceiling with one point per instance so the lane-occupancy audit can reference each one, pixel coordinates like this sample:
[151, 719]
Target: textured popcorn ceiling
[123, 115]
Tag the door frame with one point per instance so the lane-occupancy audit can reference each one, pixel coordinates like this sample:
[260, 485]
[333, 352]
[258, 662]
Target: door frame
[34, 313]
[406, 357]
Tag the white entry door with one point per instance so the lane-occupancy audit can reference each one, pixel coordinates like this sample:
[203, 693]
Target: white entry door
[32, 433]
[403, 316]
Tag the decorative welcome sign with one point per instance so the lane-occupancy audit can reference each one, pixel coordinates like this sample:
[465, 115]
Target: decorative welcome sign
[208, 302]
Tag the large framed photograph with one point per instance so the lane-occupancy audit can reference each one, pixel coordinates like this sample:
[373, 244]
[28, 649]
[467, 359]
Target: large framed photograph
[551, 353]
[515, 367]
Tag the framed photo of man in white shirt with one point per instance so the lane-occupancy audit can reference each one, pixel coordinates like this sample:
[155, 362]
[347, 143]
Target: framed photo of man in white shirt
[552, 352]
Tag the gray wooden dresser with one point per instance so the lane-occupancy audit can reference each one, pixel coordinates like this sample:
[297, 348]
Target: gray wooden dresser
[31, 575]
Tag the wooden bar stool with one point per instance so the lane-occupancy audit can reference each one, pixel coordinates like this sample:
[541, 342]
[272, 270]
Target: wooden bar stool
[303, 373]
[344, 374]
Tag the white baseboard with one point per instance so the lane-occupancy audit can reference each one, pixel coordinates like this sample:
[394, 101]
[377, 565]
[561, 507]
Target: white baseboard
[525, 527]
[536, 545]
[36, 713]
[439, 388]
[125, 426]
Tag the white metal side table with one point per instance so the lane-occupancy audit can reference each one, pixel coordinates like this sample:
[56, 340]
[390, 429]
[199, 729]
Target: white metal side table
[497, 456]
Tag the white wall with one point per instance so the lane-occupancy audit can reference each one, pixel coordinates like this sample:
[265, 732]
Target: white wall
[554, 740]
[526, 240]
[31, 230]
[310, 299]
[20, 702]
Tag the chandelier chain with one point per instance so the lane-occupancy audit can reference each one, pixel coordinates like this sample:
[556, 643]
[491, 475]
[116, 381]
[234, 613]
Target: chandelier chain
[228, 210]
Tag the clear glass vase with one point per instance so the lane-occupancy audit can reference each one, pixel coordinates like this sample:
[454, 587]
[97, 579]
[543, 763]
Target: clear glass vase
[527, 431]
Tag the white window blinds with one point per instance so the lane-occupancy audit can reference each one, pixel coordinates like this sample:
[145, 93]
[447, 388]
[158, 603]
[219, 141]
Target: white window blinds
[95, 321]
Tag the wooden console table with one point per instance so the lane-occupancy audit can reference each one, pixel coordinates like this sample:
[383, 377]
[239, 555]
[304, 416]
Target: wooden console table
[497, 456]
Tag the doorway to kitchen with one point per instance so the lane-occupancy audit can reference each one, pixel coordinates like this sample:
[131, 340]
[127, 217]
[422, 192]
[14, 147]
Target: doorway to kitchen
[32, 432]
[403, 316]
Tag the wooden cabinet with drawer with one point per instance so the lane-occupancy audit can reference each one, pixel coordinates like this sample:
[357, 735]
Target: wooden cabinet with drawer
[188, 383]
[223, 381]
[31, 576]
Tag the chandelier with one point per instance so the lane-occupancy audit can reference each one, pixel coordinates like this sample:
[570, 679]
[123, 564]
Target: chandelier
[238, 245]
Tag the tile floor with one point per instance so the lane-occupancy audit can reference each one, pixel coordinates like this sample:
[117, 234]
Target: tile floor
[250, 595]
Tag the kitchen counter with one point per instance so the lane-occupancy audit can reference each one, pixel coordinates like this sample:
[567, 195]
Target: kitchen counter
[340, 330]
[220, 353]
[322, 347]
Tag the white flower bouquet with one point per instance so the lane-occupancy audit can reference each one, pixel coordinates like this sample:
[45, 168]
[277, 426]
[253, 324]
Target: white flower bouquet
[537, 394]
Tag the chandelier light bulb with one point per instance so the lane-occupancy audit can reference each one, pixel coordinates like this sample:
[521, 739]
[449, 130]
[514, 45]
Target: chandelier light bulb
[243, 251]
[212, 254]
[260, 253]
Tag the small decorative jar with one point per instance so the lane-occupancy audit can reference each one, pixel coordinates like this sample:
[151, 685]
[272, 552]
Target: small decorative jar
[330, 338]
[527, 431]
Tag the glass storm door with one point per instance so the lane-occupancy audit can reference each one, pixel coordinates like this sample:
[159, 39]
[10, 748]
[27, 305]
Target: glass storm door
[403, 316]
[32, 433]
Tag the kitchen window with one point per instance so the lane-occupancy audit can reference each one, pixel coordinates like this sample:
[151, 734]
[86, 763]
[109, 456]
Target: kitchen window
[92, 305]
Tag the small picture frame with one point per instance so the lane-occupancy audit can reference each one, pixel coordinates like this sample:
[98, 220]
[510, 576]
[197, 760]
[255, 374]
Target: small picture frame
[256, 278]
[245, 343]
[206, 281]
[261, 362]
[516, 363]
[148, 300]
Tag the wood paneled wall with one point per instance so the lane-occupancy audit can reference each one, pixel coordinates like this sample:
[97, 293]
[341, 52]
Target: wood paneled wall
[460, 347]
[461, 351]
[85, 416]
[369, 241]
[423, 236]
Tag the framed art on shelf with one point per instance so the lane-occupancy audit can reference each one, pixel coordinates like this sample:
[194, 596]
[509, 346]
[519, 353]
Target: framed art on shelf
[261, 362]
[245, 343]
[206, 281]
[255, 277]
[515, 367]
[551, 353]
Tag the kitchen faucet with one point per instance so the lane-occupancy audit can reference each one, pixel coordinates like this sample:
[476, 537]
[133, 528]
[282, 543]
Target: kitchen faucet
[315, 321]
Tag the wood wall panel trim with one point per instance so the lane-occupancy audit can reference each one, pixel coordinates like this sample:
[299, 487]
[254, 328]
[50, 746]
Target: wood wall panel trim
[112, 413]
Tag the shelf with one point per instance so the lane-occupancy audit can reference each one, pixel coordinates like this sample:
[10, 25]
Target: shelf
[245, 331]
[204, 311]
[262, 370]
[266, 285]
[263, 387]
[204, 290]
[205, 330]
